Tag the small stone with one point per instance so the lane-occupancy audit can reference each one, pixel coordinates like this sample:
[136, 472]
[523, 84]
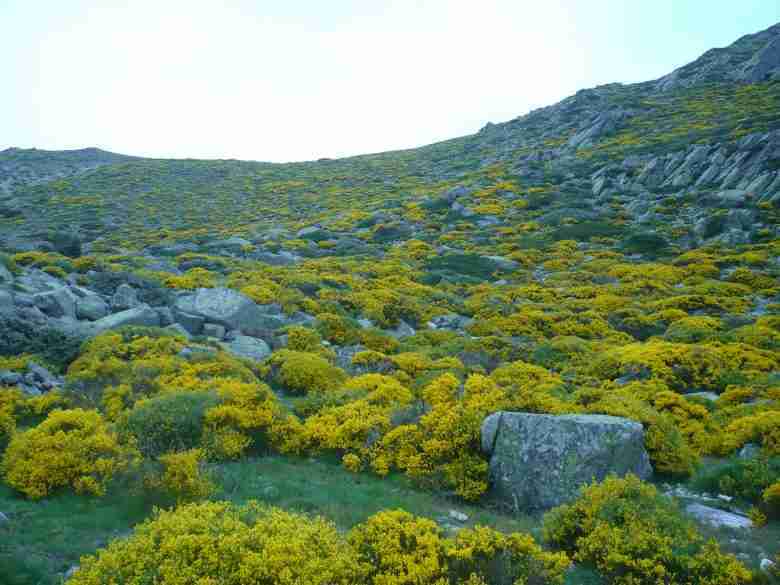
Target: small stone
[766, 565]
[459, 516]
[70, 572]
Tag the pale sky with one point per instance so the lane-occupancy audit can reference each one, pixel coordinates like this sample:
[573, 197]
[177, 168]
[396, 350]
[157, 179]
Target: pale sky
[297, 80]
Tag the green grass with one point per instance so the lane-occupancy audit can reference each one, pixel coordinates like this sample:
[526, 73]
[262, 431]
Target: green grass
[45, 538]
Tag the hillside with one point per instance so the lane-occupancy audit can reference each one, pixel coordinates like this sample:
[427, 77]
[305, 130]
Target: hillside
[300, 334]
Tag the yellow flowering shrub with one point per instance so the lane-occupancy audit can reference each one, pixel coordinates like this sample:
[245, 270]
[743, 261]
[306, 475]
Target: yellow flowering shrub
[771, 497]
[303, 372]
[762, 428]
[7, 428]
[682, 365]
[352, 426]
[243, 420]
[192, 279]
[183, 475]
[217, 543]
[335, 329]
[495, 557]
[71, 448]
[400, 548]
[303, 339]
[669, 450]
[445, 443]
[634, 535]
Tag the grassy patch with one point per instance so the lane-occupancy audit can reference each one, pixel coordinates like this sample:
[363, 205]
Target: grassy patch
[44, 539]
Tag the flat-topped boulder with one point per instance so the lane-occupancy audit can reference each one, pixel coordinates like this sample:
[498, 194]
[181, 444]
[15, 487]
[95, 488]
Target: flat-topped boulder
[539, 461]
[226, 307]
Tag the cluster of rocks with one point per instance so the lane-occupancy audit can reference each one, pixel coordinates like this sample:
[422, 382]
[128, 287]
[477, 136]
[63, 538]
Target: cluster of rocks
[107, 302]
[34, 381]
[241, 325]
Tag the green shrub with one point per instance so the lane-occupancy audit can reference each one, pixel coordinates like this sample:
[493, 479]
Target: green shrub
[169, 422]
[645, 243]
[745, 479]
[472, 265]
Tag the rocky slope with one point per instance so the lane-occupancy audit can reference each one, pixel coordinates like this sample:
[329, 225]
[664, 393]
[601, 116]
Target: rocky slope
[693, 157]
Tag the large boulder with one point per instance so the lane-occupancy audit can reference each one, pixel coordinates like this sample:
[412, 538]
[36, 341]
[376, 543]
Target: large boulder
[91, 308]
[227, 307]
[247, 347]
[57, 303]
[142, 315]
[539, 461]
[125, 297]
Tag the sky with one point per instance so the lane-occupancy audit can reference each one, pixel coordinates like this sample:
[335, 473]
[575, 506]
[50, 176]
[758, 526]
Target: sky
[293, 80]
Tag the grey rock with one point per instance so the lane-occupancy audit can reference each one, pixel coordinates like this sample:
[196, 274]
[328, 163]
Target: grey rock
[233, 245]
[42, 377]
[450, 321]
[57, 303]
[402, 330]
[765, 63]
[8, 378]
[709, 396]
[502, 263]
[6, 302]
[539, 461]
[35, 281]
[214, 330]
[91, 307]
[717, 518]
[178, 330]
[458, 516]
[457, 191]
[283, 258]
[314, 233]
[193, 324]
[33, 315]
[166, 316]
[142, 315]
[5, 275]
[749, 451]
[247, 347]
[125, 297]
[225, 307]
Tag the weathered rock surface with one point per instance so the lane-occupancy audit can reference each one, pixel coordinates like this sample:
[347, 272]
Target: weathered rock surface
[91, 308]
[539, 461]
[226, 307]
[247, 347]
[142, 315]
[717, 518]
[125, 297]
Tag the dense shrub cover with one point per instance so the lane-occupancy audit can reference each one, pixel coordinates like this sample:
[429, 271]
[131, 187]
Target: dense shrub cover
[634, 535]
[217, 542]
[71, 448]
